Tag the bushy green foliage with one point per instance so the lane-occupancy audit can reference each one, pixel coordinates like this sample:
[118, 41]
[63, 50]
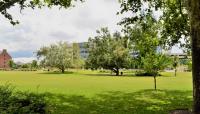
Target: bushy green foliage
[143, 73]
[144, 40]
[58, 55]
[173, 15]
[12, 102]
[153, 63]
[34, 64]
[25, 65]
[108, 51]
[11, 64]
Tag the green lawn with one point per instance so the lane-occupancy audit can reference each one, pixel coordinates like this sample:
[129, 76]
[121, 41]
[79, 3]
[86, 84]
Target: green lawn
[91, 92]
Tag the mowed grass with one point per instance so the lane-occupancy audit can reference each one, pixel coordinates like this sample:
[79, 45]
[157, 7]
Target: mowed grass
[91, 92]
[91, 82]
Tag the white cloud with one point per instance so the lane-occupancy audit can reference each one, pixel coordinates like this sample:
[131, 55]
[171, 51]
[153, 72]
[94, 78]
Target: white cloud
[44, 26]
[24, 59]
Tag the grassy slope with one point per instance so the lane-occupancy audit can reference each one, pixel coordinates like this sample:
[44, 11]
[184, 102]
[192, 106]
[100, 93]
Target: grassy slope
[88, 92]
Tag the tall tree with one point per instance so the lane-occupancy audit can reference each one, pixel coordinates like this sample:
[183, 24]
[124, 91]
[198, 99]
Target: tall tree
[144, 38]
[180, 20]
[107, 51]
[195, 34]
[34, 64]
[57, 55]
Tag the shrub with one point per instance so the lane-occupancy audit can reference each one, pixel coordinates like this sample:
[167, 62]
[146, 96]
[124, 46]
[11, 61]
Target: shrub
[12, 102]
[143, 73]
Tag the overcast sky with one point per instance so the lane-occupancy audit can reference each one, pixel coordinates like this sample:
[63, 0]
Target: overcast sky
[45, 26]
[42, 27]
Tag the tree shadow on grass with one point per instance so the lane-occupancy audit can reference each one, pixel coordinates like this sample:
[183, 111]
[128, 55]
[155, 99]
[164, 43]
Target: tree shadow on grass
[99, 74]
[125, 75]
[142, 102]
[108, 74]
[56, 72]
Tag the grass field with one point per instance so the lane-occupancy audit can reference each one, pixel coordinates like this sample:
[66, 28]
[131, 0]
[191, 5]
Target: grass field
[91, 92]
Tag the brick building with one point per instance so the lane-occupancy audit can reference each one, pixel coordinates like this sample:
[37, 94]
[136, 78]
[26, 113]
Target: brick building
[4, 59]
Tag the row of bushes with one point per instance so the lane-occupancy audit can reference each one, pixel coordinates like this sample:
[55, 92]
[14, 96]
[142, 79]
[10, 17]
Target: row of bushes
[143, 73]
[21, 69]
[12, 102]
[25, 69]
[137, 72]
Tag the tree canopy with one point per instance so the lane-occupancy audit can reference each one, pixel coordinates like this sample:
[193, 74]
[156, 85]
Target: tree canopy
[108, 51]
[58, 55]
[172, 15]
[5, 5]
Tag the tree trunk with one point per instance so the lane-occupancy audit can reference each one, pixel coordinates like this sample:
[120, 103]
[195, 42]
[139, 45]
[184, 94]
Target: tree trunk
[63, 70]
[155, 83]
[117, 71]
[195, 34]
[175, 72]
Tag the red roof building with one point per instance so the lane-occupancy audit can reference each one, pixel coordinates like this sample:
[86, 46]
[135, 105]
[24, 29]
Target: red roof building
[4, 59]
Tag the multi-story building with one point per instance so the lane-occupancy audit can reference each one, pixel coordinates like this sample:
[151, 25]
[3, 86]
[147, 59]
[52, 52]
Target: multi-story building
[83, 50]
[4, 59]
